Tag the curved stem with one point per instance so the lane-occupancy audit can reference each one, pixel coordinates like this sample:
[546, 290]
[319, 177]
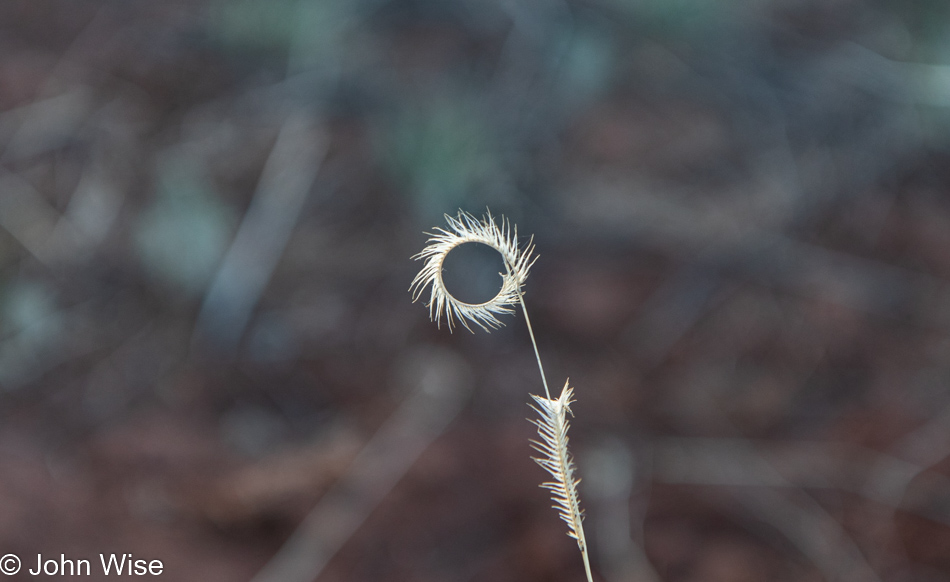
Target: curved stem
[547, 393]
[534, 343]
[527, 320]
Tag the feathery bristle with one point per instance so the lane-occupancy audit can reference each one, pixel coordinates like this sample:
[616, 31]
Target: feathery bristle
[462, 229]
[557, 460]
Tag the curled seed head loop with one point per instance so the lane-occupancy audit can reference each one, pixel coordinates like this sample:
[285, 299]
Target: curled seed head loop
[462, 229]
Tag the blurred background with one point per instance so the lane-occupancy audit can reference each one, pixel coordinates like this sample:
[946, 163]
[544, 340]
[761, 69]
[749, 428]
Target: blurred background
[208, 354]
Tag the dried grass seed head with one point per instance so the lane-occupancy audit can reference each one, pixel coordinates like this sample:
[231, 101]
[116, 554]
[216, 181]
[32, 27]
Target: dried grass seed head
[462, 229]
[557, 460]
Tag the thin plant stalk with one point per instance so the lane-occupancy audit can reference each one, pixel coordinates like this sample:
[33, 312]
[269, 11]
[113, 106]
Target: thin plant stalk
[565, 459]
[553, 424]
[534, 344]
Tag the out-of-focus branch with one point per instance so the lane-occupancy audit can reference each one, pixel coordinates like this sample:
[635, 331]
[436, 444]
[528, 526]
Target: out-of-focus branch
[442, 384]
[252, 257]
